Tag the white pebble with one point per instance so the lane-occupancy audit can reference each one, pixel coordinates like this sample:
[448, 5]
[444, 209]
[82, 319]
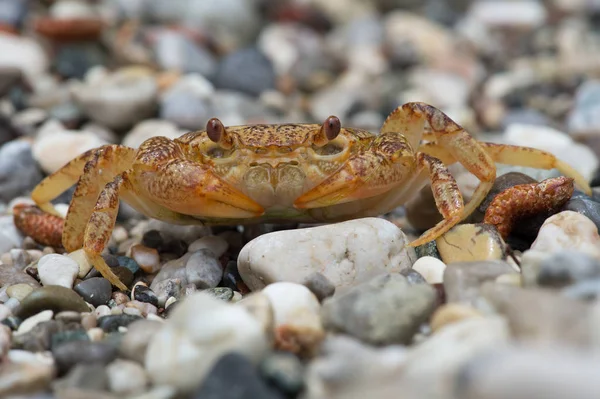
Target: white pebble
[95, 334]
[217, 245]
[432, 269]
[34, 320]
[568, 230]
[55, 269]
[5, 311]
[132, 311]
[126, 377]
[102, 310]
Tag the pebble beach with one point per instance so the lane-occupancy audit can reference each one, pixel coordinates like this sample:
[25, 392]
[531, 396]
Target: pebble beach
[506, 304]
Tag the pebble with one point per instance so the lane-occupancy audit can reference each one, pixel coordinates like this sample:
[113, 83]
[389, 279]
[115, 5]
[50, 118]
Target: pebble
[84, 379]
[284, 371]
[147, 258]
[55, 269]
[53, 297]
[19, 291]
[34, 320]
[258, 76]
[203, 329]
[471, 242]
[462, 280]
[25, 378]
[5, 340]
[222, 293]
[187, 102]
[126, 377]
[136, 339]
[217, 245]
[69, 354]
[19, 172]
[559, 269]
[148, 128]
[10, 237]
[144, 294]
[517, 14]
[69, 316]
[586, 206]
[297, 319]
[430, 268]
[28, 56]
[583, 118]
[95, 290]
[386, 310]
[128, 263]
[413, 277]
[119, 99]
[319, 285]
[111, 323]
[84, 265]
[4, 311]
[203, 269]
[54, 149]
[568, 230]
[175, 51]
[347, 253]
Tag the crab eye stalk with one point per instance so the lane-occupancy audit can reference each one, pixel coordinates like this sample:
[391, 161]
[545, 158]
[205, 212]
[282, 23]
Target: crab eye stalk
[216, 132]
[329, 131]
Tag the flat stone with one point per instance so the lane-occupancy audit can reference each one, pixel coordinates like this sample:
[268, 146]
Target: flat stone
[471, 242]
[347, 253]
[462, 280]
[386, 310]
[52, 297]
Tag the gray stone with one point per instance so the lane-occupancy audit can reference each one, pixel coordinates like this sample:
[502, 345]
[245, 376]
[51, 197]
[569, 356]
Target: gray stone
[222, 293]
[19, 172]
[111, 323]
[320, 285]
[284, 371]
[413, 276]
[53, 297]
[258, 76]
[462, 280]
[71, 353]
[583, 204]
[386, 310]
[567, 267]
[203, 270]
[84, 377]
[95, 290]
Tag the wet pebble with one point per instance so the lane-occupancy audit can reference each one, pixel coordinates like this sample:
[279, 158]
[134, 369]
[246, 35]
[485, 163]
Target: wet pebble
[386, 310]
[95, 290]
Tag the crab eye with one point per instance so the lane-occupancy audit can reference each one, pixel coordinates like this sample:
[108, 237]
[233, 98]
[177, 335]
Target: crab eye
[332, 127]
[215, 130]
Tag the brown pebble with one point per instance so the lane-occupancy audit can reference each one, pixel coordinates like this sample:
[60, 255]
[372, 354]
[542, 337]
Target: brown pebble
[89, 321]
[451, 313]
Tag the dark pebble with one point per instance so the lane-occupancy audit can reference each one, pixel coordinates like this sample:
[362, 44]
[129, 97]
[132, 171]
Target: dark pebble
[111, 323]
[19, 171]
[124, 274]
[586, 206]
[111, 260]
[144, 294]
[129, 263]
[413, 276]
[39, 338]
[284, 371]
[12, 322]
[61, 337]
[258, 76]
[235, 377]
[152, 239]
[72, 353]
[95, 290]
[54, 297]
[319, 285]
[176, 247]
[74, 60]
[428, 249]
[233, 279]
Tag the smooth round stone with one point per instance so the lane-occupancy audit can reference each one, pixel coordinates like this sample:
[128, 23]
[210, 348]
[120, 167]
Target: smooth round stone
[451, 313]
[586, 206]
[147, 258]
[470, 243]
[71, 353]
[432, 269]
[285, 371]
[19, 291]
[567, 267]
[144, 294]
[319, 285]
[52, 297]
[95, 290]
[126, 377]
[111, 323]
[203, 269]
[386, 310]
[216, 244]
[84, 265]
[568, 230]
[124, 274]
[55, 269]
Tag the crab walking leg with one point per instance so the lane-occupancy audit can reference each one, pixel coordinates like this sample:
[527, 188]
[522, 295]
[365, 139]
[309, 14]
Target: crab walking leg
[60, 181]
[99, 229]
[102, 168]
[448, 199]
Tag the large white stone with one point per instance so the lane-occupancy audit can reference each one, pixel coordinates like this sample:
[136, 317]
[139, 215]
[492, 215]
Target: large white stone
[199, 331]
[347, 253]
[55, 269]
[568, 230]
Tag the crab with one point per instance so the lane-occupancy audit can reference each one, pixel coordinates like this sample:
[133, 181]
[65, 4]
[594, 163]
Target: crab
[312, 173]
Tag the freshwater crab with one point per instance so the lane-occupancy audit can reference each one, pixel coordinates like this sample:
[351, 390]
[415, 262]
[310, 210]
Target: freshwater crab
[274, 173]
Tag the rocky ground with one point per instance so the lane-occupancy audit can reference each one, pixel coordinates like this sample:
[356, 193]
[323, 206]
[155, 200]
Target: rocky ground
[505, 305]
